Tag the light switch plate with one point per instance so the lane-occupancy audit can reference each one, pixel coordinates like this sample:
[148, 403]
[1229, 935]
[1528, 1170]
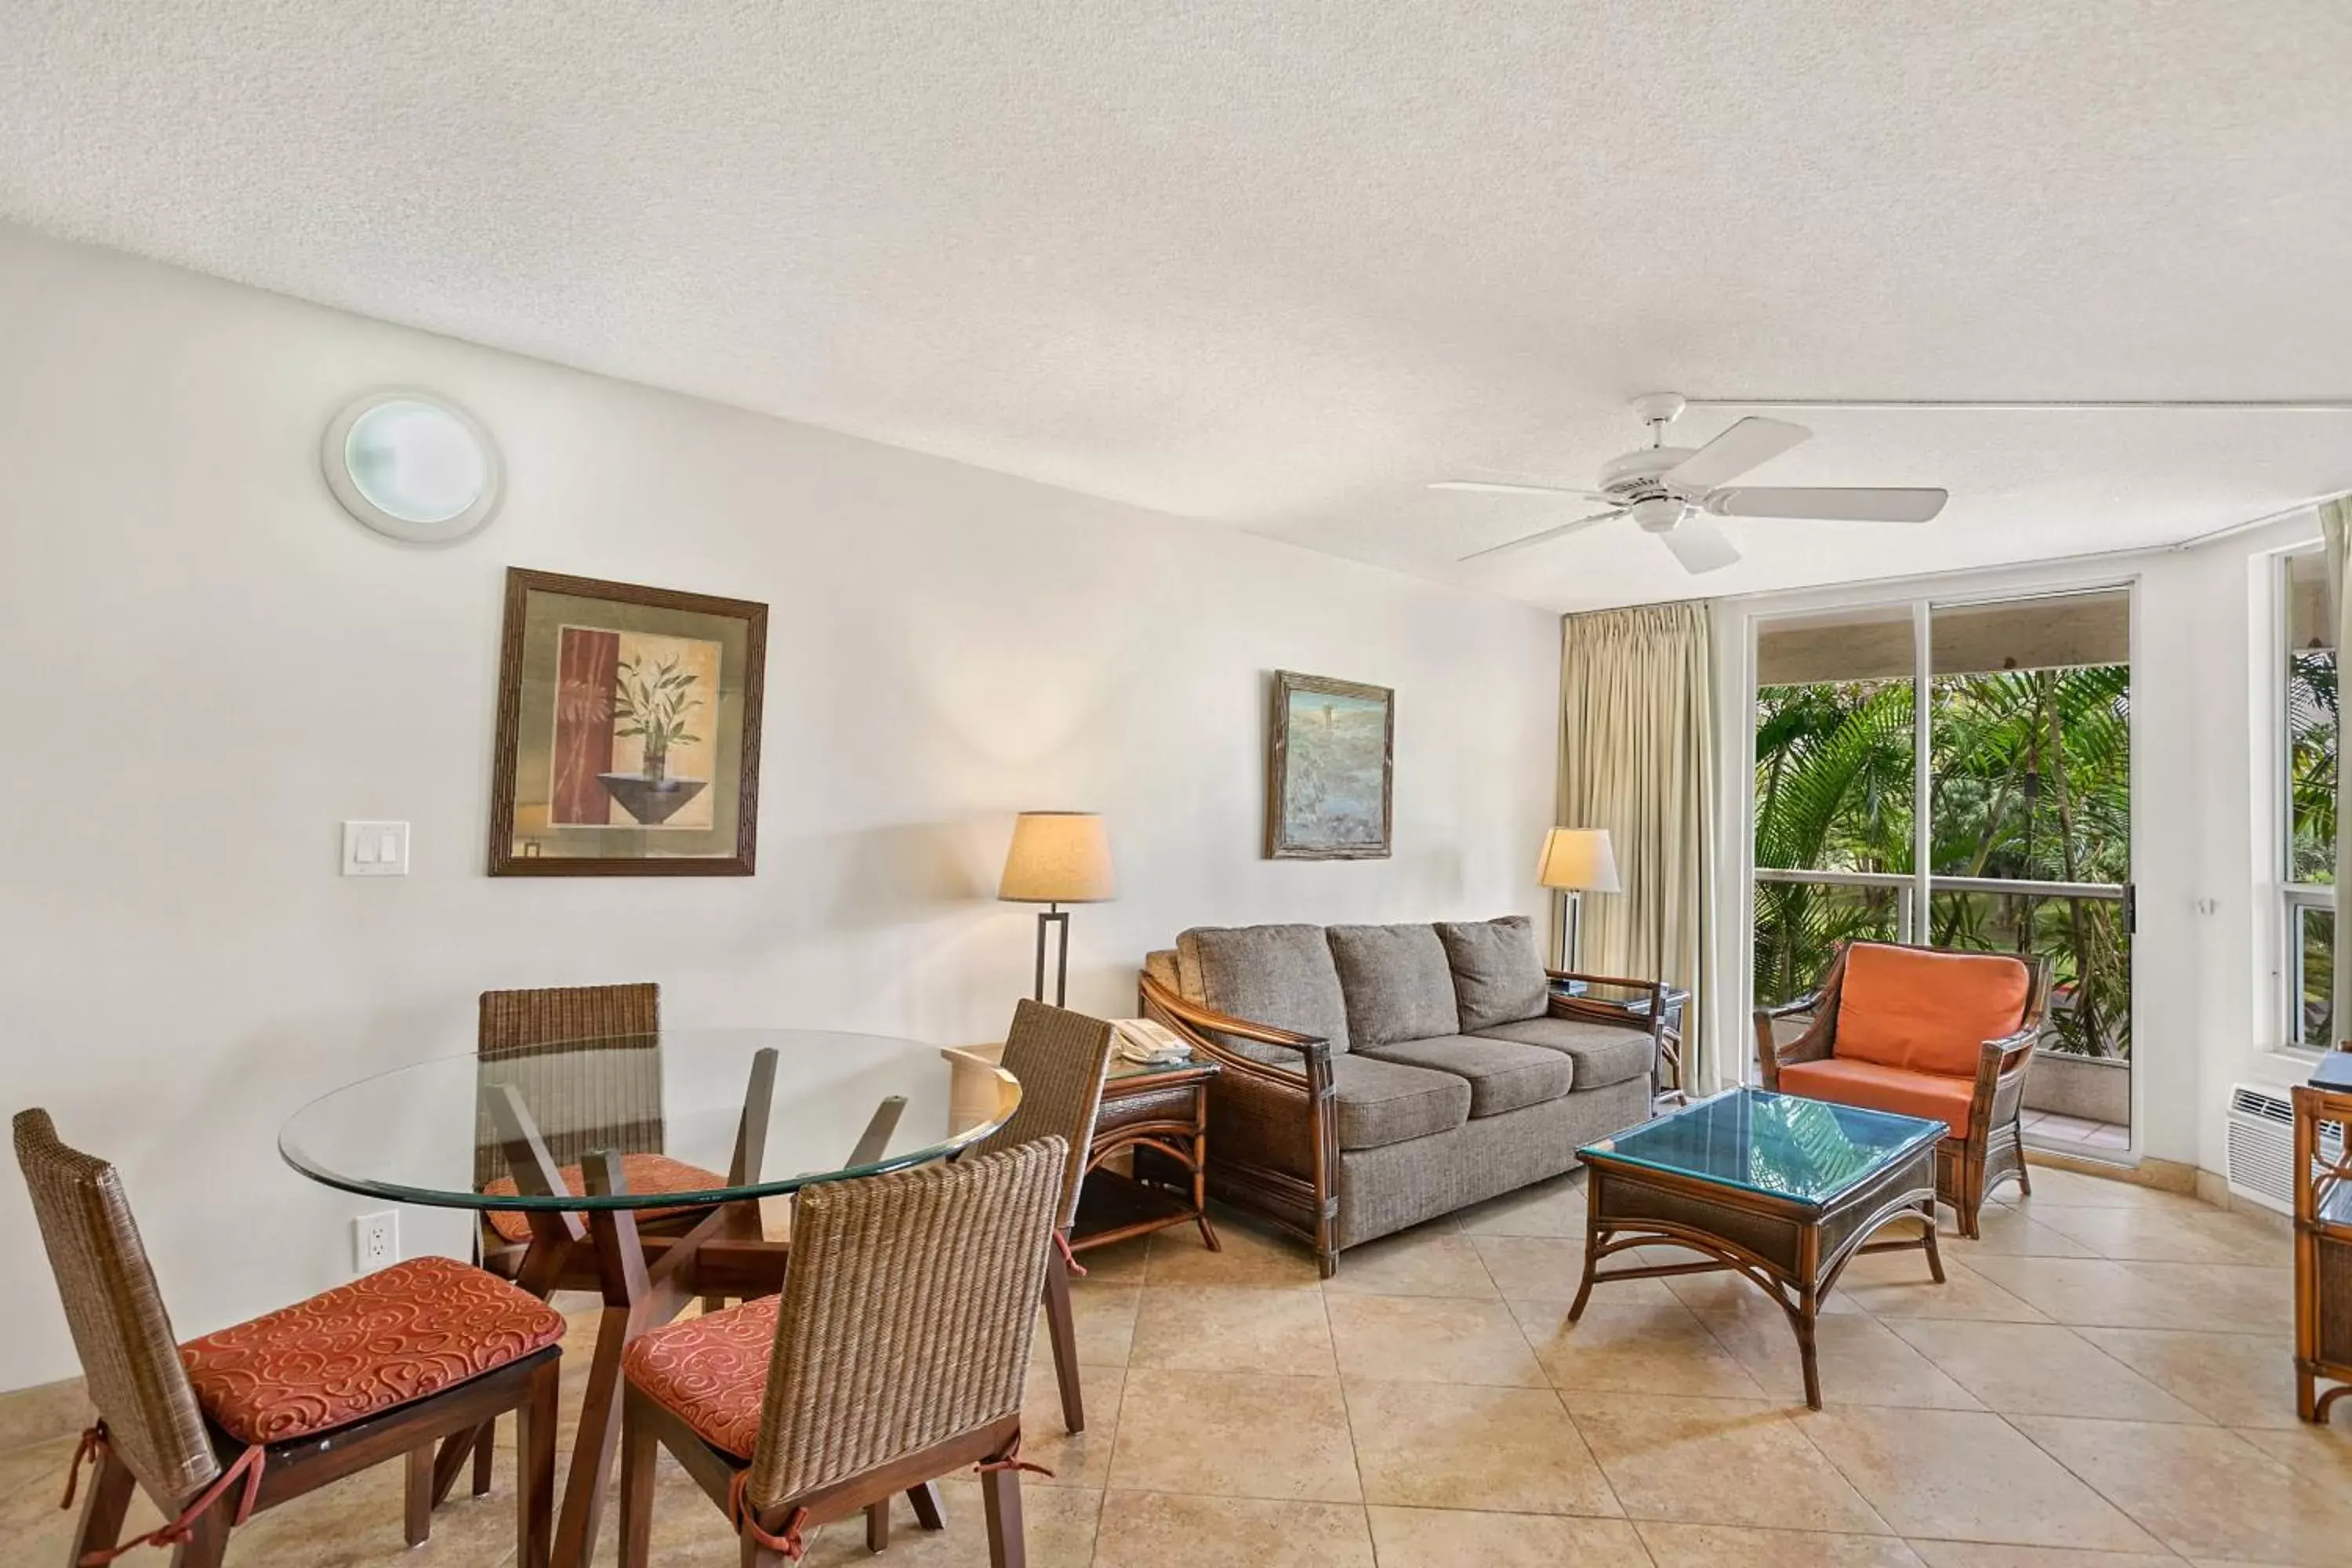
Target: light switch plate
[375, 849]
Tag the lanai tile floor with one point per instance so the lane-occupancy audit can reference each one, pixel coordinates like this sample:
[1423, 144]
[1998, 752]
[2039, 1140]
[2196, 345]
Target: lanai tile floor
[2104, 1383]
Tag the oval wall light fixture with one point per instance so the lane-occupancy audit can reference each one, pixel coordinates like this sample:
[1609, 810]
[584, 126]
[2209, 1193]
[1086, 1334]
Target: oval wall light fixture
[412, 466]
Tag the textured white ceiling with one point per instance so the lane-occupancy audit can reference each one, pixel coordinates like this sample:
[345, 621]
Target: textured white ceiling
[1277, 265]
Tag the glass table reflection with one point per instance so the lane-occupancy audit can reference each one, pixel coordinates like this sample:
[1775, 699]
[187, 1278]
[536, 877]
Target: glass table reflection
[632, 1166]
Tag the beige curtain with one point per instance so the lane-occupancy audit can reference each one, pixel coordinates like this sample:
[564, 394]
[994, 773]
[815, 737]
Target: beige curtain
[2336, 522]
[1637, 750]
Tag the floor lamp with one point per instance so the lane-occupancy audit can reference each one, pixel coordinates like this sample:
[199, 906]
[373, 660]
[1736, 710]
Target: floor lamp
[1576, 861]
[1057, 858]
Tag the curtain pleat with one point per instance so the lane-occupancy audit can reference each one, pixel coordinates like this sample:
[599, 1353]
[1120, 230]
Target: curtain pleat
[1637, 750]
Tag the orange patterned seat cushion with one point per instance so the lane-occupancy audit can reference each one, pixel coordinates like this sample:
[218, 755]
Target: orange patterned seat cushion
[414, 1328]
[1930, 1012]
[1931, 1097]
[640, 1173]
[711, 1372]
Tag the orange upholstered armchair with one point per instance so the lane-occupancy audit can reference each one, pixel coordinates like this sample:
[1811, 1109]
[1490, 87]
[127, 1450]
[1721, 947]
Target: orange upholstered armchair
[1946, 1036]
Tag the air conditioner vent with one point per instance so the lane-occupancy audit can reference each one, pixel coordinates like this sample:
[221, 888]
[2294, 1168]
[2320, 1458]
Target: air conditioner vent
[2262, 1146]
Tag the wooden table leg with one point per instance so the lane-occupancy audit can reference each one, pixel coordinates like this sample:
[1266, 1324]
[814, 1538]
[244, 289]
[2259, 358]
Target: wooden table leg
[1594, 1237]
[875, 1141]
[1806, 1313]
[631, 1306]
[751, 1151]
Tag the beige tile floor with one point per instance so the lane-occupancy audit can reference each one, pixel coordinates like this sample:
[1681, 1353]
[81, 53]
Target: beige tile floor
[2103, 1383]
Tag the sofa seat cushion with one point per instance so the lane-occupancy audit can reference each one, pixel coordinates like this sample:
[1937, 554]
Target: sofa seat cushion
[1282, 976]
[1930, 1012]
[1498, 977]
[1503, 1075]
[710, 1372]
[1389, 1102]
[1604, 1053]
[1397, 983]
[639, 1174]
[1932, 1097]
[416, 1328]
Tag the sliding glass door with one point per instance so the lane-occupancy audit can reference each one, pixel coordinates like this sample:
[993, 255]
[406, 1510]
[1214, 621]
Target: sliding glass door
[1995, 819]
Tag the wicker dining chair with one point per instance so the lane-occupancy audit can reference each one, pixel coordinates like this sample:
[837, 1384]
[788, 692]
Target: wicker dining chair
[616, 1105]
[895, 1355]
[1059, 1059]
[251, 1416]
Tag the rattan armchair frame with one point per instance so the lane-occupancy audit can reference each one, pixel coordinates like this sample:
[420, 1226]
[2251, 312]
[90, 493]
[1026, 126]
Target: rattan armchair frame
[1967, 1169]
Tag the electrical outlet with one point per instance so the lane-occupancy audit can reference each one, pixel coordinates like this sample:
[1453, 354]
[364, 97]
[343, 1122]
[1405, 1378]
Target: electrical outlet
[375, 1240]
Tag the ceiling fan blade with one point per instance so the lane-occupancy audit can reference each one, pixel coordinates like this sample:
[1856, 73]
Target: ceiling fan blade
[1847, 504]
[1543, 536]
[1482, 486]
[1733, 453]
[1699, 544]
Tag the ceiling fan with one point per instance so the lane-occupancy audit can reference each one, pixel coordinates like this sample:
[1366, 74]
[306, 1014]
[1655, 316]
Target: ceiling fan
[1677, 492]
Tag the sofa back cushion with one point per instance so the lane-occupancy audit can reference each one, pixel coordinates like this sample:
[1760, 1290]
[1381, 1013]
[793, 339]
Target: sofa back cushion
[1499, 977]
[1929, 1012]
[1397, 983]
[1281, 975]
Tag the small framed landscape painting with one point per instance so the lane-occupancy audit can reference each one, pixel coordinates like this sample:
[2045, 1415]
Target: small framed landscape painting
[628, 735]
[1328, 769]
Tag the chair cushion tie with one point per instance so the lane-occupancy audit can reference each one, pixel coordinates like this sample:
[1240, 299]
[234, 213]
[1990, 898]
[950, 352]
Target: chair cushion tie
[247, 1468]
[791, 1542]
[1011, 1459]
[1069, 1258]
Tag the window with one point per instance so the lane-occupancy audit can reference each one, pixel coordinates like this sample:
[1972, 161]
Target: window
[1959, 774]
[2308, 777]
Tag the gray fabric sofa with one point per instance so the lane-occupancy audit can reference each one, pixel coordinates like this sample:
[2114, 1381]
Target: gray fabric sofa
[1375, 1076]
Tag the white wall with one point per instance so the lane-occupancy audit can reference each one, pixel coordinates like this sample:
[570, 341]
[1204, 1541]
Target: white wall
[212, 665]
[2204, 818]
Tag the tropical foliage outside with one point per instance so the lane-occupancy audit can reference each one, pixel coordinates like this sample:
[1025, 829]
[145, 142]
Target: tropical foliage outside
[2312, 728]
[2029, 777]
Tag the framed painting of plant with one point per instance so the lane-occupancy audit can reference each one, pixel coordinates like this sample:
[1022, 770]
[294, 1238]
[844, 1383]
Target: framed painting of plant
[1328, 789]
[628, 738]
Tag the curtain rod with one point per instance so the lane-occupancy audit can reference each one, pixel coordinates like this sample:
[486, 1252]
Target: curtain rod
[2032, 405]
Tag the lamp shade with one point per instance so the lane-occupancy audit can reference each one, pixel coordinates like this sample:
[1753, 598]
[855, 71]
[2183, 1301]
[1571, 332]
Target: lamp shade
[1057, 858]
[1579, 859]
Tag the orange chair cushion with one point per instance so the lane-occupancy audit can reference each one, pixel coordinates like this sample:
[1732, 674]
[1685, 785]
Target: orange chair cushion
[1933, 1097]
[399, 1335]
[1930, 1012]
[710, 1372]
[641, 1172]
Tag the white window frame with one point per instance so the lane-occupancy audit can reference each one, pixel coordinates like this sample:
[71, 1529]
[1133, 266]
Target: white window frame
[1748, 617]
[2294, 897]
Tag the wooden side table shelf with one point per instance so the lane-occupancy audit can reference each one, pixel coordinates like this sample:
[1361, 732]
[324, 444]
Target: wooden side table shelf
[1156, 1116]
[2322, 1249]
[1160, 1117]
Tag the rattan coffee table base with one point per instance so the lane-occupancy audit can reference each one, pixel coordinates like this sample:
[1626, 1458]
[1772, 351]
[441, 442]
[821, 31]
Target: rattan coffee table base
[1791, 1250]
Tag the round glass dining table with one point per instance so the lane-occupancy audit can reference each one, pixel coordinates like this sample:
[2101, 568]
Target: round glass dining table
[631, 1166]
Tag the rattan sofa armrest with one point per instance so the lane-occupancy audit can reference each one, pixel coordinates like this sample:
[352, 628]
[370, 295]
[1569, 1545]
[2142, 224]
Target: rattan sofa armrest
[1199, 1026]
[1654, 987]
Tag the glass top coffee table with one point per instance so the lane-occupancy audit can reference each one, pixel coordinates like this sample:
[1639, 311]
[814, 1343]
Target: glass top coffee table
[1779, 1190]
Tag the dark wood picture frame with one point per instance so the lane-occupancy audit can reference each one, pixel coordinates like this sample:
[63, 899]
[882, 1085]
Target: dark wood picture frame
[505, 861]
[1279, 843]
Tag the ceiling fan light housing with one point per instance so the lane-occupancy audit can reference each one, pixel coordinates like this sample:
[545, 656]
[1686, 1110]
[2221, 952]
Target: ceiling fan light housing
[1659, 513]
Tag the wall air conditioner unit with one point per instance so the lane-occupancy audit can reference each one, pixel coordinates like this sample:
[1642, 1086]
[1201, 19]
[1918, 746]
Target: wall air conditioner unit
[2262, 1146]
